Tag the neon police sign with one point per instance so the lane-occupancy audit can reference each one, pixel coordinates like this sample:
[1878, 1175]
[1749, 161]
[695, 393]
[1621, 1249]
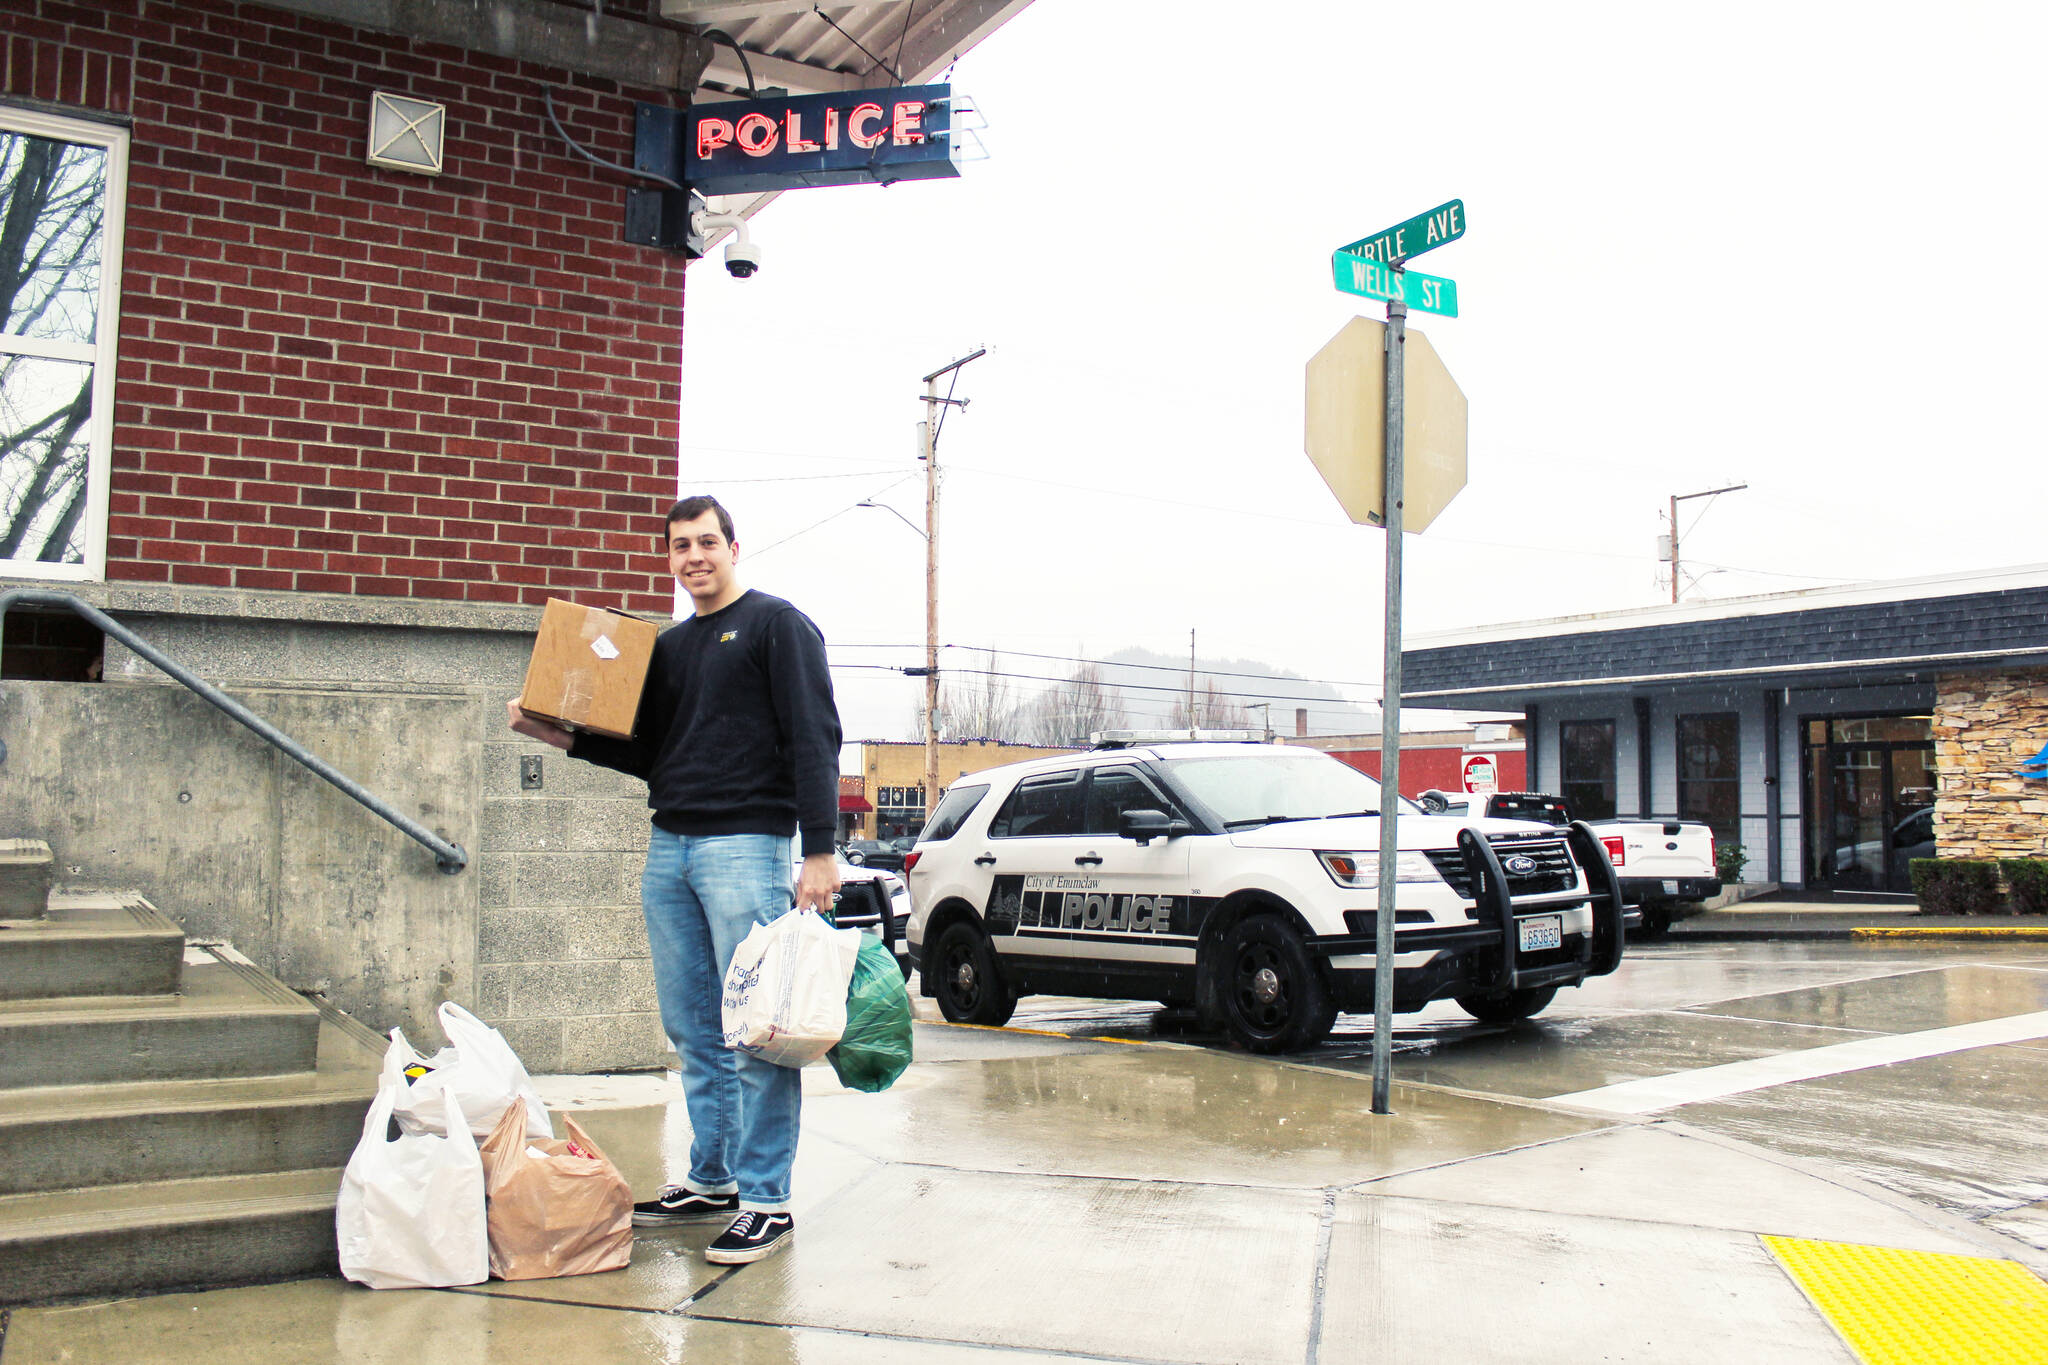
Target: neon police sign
[854, 137]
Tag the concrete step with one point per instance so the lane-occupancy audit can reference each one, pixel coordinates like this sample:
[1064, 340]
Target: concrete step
[25, 870]
[172, 1234]
[91, 945]
[63, 1137]
[229, 1020]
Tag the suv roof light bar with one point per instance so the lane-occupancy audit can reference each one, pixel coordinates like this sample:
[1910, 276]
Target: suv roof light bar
[1124, 739]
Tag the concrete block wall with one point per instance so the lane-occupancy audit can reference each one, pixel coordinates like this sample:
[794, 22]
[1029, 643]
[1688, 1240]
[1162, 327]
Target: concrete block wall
[338, 378]
[541, 935]
[562, 964]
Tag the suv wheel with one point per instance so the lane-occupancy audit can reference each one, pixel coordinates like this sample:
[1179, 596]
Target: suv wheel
[966, 981]
[1274, 996]
[1507, 1007]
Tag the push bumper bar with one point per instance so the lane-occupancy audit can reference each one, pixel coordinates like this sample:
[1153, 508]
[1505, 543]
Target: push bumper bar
[1599, 953]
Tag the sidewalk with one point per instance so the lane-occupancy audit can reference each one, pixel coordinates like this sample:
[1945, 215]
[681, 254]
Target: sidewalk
[1019, 1197]
[1783, 919]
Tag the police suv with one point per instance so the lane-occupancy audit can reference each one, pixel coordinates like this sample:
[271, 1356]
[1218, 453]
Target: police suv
[1241, 878]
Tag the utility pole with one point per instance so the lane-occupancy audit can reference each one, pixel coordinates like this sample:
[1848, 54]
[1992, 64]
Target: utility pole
[1191, 681]
[934, 405]
[1676, 499]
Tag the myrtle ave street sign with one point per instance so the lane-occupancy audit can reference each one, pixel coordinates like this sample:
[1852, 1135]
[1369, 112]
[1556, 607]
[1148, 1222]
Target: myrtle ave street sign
[1375, 279]
[1444, 223]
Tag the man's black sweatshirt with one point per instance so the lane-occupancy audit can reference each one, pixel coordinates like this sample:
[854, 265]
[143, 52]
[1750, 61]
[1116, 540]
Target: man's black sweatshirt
[738, 733]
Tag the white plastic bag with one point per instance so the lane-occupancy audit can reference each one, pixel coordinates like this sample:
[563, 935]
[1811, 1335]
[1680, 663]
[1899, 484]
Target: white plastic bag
[785, 992]
[481, 1070]
[411, 1210]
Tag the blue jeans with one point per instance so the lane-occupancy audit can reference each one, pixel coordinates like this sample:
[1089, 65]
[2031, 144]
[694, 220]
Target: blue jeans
[701, 894]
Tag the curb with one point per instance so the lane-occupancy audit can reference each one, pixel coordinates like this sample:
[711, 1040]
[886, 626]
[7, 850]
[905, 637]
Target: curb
[1987, 931]
[1964, 933]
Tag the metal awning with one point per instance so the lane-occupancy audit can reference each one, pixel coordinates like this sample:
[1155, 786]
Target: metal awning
[810, 49]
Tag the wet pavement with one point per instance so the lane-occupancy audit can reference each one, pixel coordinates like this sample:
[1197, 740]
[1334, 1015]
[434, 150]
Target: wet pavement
[1101, 1182]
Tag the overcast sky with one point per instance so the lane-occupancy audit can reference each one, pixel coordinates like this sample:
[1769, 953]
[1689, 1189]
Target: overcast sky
[1794, 245]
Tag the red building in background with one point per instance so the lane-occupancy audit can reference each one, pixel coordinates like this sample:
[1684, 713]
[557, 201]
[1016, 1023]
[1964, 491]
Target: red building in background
[1478, 758]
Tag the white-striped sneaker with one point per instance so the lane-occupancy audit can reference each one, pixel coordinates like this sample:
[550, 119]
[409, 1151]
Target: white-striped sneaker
[752, 1235]
[677, 1205]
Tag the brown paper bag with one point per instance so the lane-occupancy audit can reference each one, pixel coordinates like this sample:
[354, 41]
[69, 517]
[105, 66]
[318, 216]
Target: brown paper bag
[555, 1207]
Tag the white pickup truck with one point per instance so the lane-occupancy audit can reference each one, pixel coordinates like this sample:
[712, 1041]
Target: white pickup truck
[1667, 867]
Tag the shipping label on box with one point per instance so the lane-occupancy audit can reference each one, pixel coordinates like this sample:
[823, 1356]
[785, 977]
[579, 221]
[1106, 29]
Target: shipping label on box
[588, 669]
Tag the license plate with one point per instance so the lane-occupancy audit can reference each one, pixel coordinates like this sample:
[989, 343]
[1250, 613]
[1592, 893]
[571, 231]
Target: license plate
[1544, 931]
[1671, 888]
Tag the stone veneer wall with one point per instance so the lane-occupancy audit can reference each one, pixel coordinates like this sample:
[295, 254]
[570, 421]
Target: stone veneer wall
[1985, 724]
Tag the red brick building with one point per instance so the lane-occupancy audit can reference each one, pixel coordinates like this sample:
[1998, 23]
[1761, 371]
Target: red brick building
[323, 362]
[339, 378]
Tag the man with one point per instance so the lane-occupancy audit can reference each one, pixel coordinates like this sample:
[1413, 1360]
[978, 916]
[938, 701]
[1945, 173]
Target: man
[738, 740]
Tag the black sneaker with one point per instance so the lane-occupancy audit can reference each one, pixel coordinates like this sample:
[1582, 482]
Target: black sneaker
[752, 1235]
[677, 1205]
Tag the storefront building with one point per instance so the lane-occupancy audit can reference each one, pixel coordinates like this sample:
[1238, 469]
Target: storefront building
[1835, 734]
[894, 773]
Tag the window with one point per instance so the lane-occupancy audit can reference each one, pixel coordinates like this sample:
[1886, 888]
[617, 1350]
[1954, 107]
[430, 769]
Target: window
[1710, 773]
[1114, 791]
[954, 806]
[1040, 807]
[1586, 749]
[61, 184]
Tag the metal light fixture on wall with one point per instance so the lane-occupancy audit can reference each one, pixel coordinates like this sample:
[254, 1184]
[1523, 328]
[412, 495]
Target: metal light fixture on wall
[406, 134]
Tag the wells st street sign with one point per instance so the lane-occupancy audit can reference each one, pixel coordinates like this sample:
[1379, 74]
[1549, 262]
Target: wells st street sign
[1372, 279]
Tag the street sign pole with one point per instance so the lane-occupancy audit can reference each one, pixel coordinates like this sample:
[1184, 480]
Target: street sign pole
[1390, 720]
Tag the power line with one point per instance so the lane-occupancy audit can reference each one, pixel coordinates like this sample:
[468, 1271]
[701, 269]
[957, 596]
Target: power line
[822, 520]
[1112, 663]
[1176, 691]
[790, 478]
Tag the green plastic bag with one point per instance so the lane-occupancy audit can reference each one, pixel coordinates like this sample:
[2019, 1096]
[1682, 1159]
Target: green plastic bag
[875, 1048]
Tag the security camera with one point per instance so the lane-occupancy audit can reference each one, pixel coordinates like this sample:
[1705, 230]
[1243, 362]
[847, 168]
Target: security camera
[742, 259]
[742, 254]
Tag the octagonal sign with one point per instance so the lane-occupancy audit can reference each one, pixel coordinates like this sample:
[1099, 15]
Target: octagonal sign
[1345, 426]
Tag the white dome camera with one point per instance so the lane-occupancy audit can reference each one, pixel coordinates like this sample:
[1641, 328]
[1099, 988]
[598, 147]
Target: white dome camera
[742, 259]
[742, 253]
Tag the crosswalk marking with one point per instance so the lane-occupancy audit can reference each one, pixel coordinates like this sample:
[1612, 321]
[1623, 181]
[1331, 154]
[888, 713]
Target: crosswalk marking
[1653, 1093]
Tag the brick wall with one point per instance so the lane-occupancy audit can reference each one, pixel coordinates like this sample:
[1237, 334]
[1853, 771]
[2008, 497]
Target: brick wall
[1985, 724]
[335, 378]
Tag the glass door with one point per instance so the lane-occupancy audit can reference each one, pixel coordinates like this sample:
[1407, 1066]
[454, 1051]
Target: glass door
[1857, 782]
[1870, 802]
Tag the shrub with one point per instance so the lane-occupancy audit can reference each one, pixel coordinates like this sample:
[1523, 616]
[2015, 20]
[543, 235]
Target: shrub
[1729, 860]
[1956, 886]
[2026, 882]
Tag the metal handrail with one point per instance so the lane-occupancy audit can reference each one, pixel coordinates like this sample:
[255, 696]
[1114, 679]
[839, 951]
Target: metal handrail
[448, 856]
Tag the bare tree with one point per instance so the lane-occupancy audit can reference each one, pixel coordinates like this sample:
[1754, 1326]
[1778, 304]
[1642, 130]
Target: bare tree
[981, 704]
[1212, 710]
[1068, 712]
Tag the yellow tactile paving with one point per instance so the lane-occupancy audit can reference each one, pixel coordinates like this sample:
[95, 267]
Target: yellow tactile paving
[1922, 1307]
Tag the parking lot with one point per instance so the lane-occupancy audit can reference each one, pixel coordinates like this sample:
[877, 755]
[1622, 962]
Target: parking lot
[1960, 1129]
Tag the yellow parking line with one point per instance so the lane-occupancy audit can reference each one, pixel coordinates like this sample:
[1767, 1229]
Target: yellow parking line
[1898, 1307]
[1971, 931]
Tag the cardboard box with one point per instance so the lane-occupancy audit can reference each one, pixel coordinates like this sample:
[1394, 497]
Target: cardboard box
[589, 666]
